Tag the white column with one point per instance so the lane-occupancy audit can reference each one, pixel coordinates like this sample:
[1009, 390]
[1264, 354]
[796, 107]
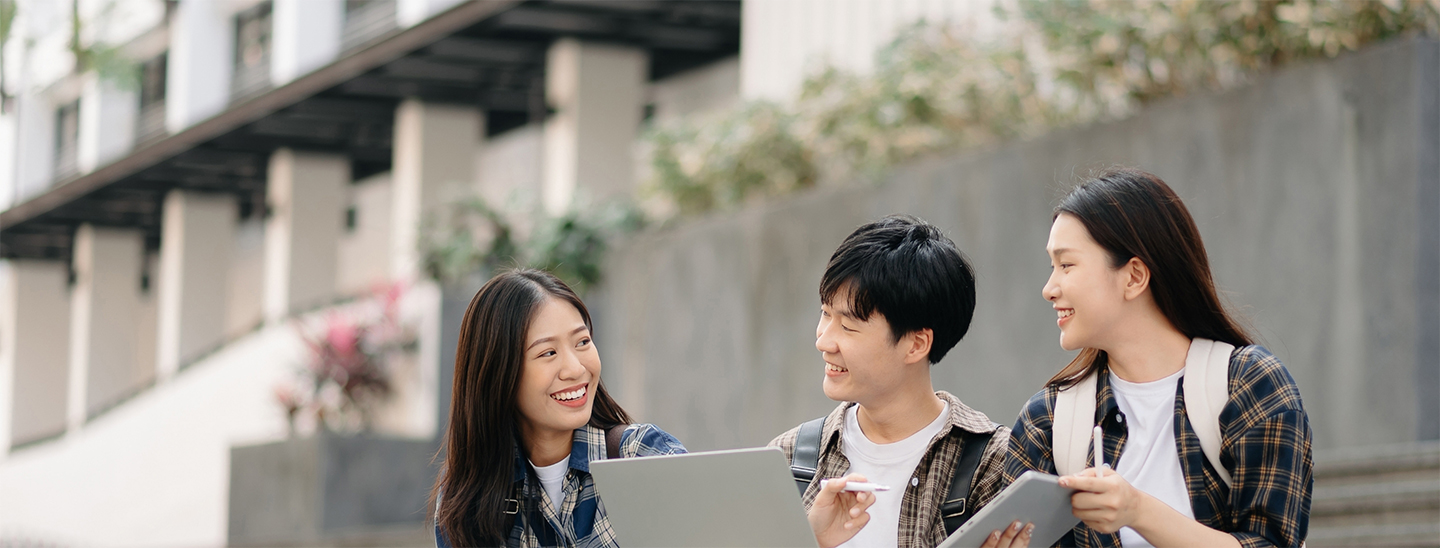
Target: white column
[34, 346]
[598, 92]
[434, 164]
[409, 12]
[9, 148]
[103, 304]
[202, 44]
[197, 233]
[306, 194]
[305, 34]
[107, 122]
[35, 153]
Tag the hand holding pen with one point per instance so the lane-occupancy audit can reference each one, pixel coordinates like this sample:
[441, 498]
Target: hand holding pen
[1104, 501]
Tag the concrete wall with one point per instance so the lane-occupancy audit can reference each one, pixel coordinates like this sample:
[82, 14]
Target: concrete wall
[1316, 189]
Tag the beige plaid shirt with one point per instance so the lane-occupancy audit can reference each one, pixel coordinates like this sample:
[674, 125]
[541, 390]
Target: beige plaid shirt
[920, 522]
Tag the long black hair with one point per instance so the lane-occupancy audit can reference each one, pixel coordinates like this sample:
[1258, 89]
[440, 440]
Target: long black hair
[1133, 214]
[481, 442]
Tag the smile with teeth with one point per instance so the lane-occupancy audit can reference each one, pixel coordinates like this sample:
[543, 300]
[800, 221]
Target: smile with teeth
[571, 395]
[835, 368]
[1065, 312]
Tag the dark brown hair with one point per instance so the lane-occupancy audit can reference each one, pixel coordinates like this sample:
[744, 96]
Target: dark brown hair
[1133, 214]
[482, 441]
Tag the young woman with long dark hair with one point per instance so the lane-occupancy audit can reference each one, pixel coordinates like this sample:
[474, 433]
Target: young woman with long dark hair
[1131, 285]
[527, 417]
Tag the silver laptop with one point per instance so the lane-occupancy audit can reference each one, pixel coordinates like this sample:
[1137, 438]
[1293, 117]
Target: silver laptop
[743, 497]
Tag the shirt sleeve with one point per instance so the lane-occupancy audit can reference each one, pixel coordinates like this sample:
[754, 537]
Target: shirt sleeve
[1029, 447]
[1268, 449]
[786, 443]
[648, 440]
[990, 477]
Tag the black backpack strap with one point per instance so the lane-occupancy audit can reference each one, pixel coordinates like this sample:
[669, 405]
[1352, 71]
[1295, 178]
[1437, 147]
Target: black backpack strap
[612, 440]
[955, 511]
[805, 458]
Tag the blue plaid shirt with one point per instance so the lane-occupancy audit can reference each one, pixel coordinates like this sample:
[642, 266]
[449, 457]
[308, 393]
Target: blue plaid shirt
[581, 520]
[1264, 443]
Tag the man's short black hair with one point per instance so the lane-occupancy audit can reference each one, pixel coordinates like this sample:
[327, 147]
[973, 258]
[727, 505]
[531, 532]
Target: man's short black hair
[909, 272]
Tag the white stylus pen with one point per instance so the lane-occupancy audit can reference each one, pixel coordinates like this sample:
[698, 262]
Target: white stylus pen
[1099, 444]
[862, 486]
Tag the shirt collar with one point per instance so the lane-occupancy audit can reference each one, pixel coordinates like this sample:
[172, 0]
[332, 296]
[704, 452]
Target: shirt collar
[588, 443]
[1105, 405]
[961, 416]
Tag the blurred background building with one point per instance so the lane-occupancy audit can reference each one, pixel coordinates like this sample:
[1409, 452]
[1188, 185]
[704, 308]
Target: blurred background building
[204, 199]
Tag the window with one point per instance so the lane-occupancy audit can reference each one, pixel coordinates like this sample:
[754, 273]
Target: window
[366, 20]
[67, 139]
[252, 53]
[151, 122]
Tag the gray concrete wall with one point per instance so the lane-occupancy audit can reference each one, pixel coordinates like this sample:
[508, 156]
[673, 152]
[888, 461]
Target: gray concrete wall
[1317, 190]
[326, 488]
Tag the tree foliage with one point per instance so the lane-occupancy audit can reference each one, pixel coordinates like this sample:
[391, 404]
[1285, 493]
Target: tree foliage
[934, 89]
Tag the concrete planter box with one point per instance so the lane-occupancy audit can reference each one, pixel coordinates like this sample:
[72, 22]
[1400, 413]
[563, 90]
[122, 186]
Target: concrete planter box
[331, 489]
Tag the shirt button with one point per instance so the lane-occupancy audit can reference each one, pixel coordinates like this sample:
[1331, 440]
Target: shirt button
[914, 481]
[1120, 418]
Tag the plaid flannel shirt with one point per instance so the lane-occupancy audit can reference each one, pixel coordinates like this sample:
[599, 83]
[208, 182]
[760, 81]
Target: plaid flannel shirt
[1265, 444]
[581, 520]
[921, 524]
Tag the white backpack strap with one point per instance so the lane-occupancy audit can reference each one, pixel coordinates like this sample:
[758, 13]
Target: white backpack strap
[1207, 390]
[1071, 426]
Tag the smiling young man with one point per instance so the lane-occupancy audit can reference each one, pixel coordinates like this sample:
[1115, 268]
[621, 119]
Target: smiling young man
[895, 297]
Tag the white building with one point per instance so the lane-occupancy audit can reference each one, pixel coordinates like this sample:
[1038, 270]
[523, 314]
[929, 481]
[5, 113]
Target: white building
[274, 156]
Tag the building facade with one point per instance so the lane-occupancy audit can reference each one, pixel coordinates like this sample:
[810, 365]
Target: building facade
[181, 180]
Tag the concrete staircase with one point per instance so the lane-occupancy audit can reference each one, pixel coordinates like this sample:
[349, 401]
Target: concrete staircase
[1377, 496]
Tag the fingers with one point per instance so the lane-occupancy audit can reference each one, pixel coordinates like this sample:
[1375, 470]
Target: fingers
[1014, 536]
[1087, 481]
[992, 541]
[836, 485]
[863, 501]
[1088, 501]
[857, 521]
[1007, 536]
[1022, 540]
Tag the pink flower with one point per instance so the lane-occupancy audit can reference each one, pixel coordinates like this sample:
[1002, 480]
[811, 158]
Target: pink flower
[342, 335]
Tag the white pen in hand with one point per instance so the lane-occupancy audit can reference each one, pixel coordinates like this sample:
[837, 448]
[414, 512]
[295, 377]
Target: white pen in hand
[859, 486]
[1099, 447]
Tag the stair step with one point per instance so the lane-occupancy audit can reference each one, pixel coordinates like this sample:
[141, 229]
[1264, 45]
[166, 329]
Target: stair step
[1387, 495]
[1350, 462]
[1375, 497]
[1407, 534]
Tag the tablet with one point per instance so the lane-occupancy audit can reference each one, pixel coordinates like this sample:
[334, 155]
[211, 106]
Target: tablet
[1035, 497]
[743, 497]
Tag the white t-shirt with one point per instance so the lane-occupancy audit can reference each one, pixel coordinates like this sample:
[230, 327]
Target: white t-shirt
[890, 464]
[1149, 460]
[552, 478]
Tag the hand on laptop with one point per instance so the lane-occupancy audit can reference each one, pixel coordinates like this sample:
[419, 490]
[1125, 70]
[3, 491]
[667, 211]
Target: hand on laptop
[838, 514]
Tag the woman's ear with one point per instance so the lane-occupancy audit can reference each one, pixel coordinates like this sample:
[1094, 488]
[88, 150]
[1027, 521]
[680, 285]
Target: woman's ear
[1137, 278]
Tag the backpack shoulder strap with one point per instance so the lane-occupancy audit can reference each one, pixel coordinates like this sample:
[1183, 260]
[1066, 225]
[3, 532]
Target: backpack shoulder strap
[805, 458]
[1071, 425]
[954, 511]
[1207, 389]
[612, 440]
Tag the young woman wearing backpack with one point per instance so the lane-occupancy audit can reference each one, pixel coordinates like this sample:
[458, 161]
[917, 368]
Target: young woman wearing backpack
[1206, 432]
[527, 417]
